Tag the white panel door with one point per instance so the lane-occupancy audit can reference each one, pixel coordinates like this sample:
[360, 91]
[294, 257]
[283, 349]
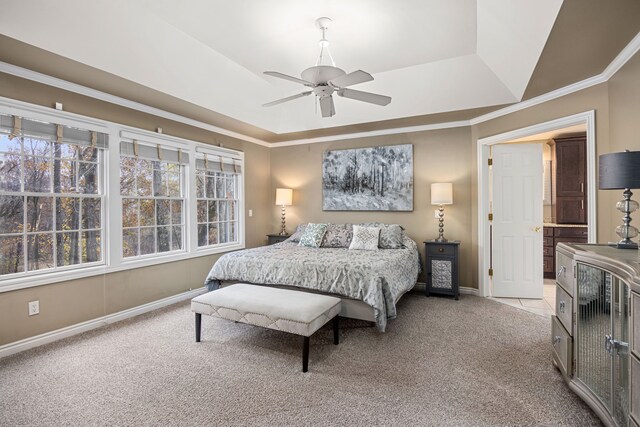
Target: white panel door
[516, 180]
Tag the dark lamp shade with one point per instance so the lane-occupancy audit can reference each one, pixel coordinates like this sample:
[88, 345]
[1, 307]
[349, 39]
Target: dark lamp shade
[617, 171]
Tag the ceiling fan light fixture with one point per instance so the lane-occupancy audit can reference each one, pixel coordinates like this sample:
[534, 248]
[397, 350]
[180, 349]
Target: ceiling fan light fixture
[324, 80]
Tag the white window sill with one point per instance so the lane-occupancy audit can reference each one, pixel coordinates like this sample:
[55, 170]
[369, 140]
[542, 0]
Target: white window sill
[13, 284]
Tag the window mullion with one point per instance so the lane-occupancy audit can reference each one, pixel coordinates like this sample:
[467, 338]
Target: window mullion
[113, 202]
[190, 208]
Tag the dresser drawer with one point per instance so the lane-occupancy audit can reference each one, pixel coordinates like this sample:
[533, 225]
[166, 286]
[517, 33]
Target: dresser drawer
[635, 329]
[547, 251]
[547, 242]
[435, 250]
[634, 399]
[547, 231]
[564, 308]
[561, 342]
[564, 272]
[571, 232]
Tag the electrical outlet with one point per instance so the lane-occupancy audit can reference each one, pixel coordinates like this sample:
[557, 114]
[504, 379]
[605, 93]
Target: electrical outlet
[437, 214]
[250, 212]
[34, 307]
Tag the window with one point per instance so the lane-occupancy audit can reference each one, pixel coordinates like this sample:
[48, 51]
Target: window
[217, 192]
[51, 196]
[152, 190]
[62, 190]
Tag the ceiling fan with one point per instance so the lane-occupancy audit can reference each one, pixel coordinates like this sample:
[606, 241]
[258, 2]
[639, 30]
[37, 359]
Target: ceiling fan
[324, 80]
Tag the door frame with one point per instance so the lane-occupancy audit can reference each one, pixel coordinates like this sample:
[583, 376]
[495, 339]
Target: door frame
[484, 144]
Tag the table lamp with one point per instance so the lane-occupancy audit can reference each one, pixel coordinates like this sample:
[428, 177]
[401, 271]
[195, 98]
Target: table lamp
[441, 194]
[621, 171]
[284, 197]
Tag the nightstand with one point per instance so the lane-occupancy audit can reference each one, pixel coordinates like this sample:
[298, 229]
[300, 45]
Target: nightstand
[442, 268]
[277, 238]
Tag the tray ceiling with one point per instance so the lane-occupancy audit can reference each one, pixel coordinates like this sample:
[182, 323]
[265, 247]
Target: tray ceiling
[430, 56]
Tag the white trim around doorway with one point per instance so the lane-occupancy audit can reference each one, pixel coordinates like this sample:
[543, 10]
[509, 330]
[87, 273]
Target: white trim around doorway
[484, 144]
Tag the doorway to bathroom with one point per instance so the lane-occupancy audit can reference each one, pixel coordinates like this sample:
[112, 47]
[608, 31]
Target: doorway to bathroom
[512, 240]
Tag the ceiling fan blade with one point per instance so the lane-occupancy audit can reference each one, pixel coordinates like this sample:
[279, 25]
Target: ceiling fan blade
[326, 106]
[372, 98]
[288, 98]
[286, 77]
[351, 79]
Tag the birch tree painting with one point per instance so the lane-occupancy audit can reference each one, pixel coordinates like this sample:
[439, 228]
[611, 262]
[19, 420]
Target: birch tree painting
[368, 179]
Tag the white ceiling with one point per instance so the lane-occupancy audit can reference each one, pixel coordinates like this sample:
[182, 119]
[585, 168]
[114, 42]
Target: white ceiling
[430, 56]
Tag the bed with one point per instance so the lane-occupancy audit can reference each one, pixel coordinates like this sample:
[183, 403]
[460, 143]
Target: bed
[375, 278]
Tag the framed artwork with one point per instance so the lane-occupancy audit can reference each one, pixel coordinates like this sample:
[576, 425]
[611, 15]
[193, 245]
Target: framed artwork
[368, 179]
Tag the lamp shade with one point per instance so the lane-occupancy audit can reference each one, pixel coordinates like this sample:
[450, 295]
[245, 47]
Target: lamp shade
[442, 193]
[617, 171]
[284, 196]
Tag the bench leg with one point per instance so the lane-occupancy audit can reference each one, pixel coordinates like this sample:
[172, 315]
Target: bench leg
[305, 355]
[336, 334]
[198, 326]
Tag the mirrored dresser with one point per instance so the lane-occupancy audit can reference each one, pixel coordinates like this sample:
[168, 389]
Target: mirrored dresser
[595, 332]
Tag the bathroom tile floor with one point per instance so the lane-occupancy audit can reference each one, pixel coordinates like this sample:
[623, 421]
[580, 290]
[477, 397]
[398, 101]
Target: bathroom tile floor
[543, 307]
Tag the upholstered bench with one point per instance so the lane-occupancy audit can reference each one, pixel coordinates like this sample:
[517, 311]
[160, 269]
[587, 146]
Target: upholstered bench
[299, 313]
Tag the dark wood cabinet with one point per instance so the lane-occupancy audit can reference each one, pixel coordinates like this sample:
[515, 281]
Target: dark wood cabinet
[442, 268]
[277, 238]
[555, 235]
[570, 180]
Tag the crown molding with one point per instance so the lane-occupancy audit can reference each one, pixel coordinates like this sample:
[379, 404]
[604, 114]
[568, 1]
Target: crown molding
[117, 100]
[627, 53]
[390, 131]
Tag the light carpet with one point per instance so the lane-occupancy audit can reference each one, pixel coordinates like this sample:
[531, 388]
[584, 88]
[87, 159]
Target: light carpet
[442, 362]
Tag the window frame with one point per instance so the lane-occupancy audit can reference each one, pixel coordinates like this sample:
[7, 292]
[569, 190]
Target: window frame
[53, 233]
[111, 216]
[183, 224]
[238, 178]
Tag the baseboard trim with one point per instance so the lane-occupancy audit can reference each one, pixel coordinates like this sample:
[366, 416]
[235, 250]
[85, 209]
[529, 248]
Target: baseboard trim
[469, 291]
[48, 337]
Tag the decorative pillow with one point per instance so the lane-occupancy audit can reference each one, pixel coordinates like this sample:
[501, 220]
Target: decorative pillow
[365, 238]
[390, 235]
[338, 236]
[295, 237]
[313, 234]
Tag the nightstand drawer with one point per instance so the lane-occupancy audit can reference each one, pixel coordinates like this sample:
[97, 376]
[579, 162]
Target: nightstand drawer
[441, 268]
[276, 238]
[435, 249]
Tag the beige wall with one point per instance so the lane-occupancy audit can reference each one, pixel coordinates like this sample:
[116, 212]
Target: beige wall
[438, 156]
[67, 303]
[445, 155]
[442, 155]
